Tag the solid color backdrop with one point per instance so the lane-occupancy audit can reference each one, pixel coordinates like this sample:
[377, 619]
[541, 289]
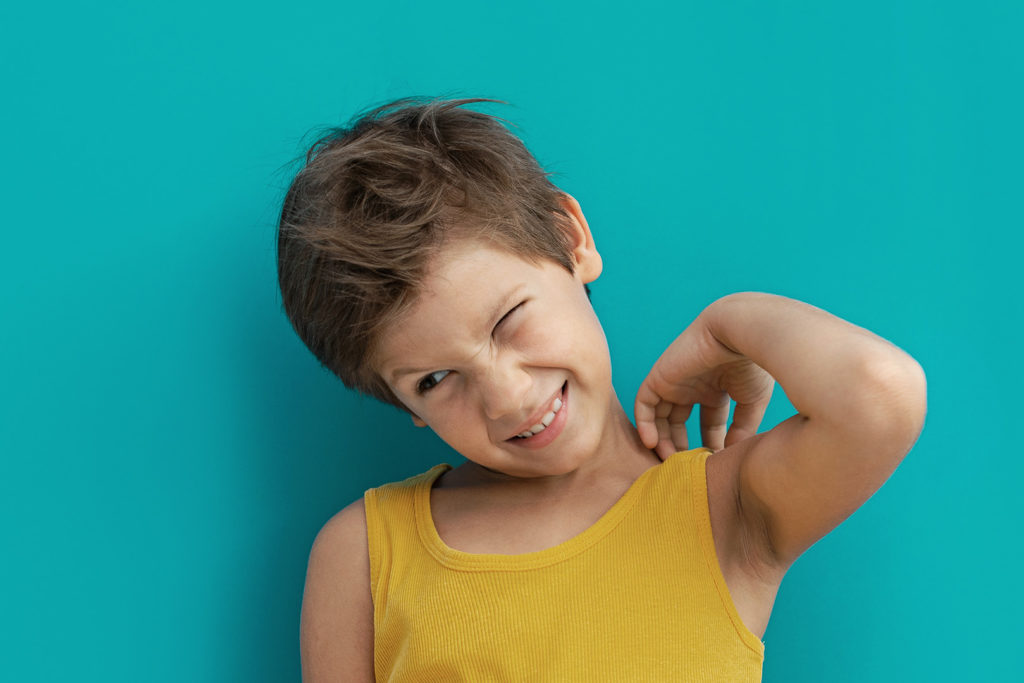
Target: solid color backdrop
[169, 448]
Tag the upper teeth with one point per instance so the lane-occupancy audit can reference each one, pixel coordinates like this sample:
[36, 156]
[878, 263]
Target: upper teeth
[549, 416]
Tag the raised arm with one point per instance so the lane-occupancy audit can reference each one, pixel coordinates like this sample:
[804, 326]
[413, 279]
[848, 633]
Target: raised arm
[337, 610]
[860, 402]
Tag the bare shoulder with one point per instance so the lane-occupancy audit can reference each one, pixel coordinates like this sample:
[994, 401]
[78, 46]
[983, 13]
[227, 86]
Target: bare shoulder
[740, 537]
[742, 544]
[337, 609]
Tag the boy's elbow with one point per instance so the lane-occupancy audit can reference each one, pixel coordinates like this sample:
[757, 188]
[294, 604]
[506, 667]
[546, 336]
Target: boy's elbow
[895, 399]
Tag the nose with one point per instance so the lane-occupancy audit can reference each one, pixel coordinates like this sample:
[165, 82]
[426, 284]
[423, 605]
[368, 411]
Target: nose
[504, 387]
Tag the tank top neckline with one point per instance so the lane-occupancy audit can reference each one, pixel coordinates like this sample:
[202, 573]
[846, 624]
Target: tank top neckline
[459, 559]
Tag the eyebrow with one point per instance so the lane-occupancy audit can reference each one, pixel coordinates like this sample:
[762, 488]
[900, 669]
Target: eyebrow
[497, 313]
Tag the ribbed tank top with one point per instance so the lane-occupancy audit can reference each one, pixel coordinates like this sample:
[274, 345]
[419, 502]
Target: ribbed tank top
[638, 596]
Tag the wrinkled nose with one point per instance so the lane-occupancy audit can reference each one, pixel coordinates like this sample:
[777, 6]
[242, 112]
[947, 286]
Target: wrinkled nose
[504, 388]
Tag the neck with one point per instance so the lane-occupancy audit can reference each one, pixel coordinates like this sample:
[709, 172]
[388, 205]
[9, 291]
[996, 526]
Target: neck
[621, 449]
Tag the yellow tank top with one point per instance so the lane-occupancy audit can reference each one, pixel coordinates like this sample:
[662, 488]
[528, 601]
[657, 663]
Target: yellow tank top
[638, 596]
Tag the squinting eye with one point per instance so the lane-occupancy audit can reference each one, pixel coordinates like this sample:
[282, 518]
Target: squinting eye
[509, 314]
[431, 381]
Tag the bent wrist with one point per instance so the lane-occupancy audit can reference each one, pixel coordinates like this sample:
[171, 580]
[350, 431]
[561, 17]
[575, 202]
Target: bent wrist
[728, 320]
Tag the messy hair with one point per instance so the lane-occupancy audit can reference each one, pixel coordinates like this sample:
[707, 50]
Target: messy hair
[377, 198]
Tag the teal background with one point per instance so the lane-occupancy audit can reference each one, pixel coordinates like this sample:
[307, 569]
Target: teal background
[169, 448]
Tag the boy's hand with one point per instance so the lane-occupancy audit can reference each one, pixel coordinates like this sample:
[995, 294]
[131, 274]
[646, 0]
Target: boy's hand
[860, 405]
[698, 369]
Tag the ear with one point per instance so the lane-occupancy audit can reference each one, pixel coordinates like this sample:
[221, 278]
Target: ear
[418, 422]
[584, 253]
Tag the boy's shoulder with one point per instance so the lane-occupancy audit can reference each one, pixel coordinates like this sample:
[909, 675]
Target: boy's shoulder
[337, 609]
[342, 524]
[340, 547]
[340, 541]
[414, 480]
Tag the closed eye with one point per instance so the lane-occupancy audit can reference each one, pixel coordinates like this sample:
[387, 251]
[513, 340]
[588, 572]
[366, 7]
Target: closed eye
[506, 316]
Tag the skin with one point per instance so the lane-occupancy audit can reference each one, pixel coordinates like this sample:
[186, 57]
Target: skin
[500, 335]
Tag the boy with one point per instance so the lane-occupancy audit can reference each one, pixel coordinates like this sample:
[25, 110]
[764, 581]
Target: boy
[426, 259]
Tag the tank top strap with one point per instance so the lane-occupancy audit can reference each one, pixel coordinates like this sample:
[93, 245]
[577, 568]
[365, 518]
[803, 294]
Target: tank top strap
[390, 524]
[681, 484]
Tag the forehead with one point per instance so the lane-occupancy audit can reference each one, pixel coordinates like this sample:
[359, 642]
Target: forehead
[466, 285]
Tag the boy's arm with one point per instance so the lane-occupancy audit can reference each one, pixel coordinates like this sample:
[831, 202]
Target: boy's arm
[860, 403]
[336, 636]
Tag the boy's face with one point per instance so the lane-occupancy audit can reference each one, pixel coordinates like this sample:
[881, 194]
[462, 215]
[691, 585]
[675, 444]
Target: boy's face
[493, 345]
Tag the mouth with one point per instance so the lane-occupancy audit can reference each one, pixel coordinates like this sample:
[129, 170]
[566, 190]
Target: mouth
[550, 424]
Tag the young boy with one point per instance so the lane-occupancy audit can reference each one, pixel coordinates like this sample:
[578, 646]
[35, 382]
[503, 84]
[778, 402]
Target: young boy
[427, 260]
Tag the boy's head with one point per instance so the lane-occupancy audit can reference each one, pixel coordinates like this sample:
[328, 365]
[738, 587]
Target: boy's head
[377, 199]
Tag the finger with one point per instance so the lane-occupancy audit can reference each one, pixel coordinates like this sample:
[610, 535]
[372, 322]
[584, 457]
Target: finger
[665, 449]
[714, 419]
[746, 418]
[664, 446]
[644, 410]
[677, 426]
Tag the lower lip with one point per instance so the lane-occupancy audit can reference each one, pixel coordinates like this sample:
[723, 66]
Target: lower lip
[552, 431]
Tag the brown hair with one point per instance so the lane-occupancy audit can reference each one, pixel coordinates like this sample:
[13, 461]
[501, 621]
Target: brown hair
[378, 197]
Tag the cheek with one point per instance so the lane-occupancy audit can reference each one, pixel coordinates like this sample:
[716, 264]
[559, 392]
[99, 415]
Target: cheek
[593, 346]
[569, 340]
[456, 422]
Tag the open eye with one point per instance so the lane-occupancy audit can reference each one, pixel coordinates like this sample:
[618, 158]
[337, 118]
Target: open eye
[431, 381]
